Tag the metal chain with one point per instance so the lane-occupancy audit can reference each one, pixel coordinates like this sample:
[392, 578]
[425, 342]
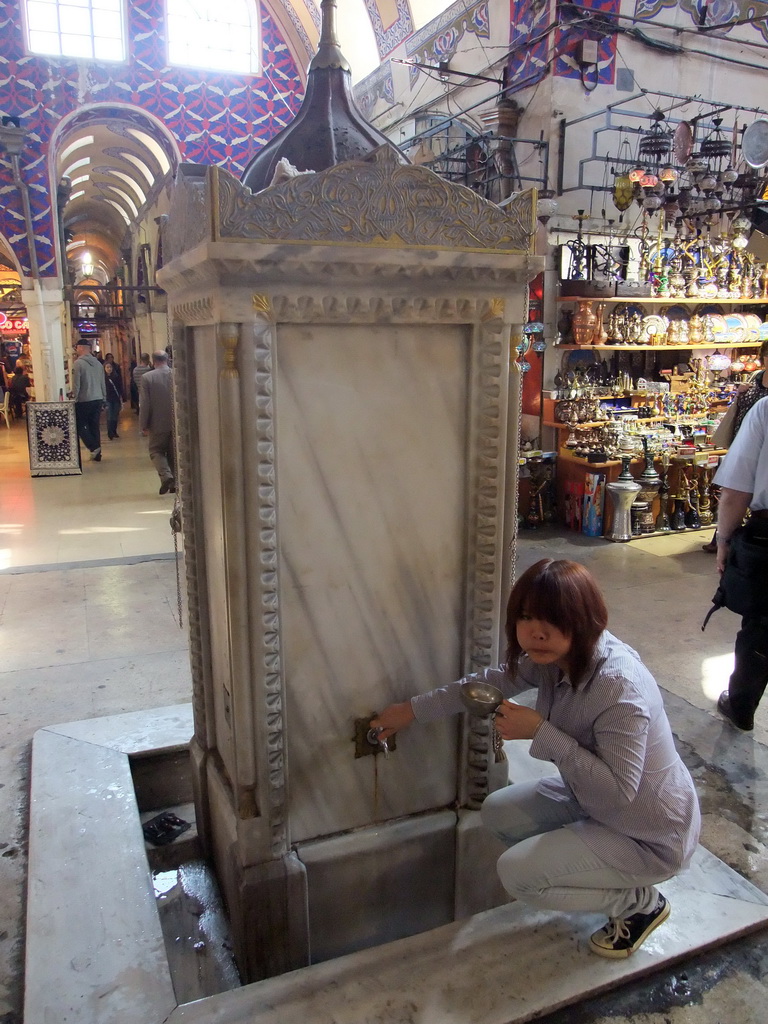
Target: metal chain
[175, 519]
[516, 490]
[176, 530]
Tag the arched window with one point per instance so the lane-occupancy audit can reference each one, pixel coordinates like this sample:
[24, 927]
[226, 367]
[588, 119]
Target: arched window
[76, 28]
[220, 35]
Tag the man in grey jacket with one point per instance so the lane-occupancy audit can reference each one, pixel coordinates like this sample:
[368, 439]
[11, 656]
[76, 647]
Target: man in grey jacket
[89, 391]
[156, 418]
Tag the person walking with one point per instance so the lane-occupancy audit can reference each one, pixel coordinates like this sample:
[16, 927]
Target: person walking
[89, 391]
[623, 814]
[114, 399]
[746, 397]
[156, 418]
[743, 479]
[138, 373]
[117, 370]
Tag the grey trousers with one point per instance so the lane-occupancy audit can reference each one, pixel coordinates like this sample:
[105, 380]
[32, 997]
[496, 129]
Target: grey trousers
[549, 866]
[161, 453]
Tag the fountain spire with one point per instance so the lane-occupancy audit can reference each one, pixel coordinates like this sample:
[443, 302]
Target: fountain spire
[329, 128]
[329, 53]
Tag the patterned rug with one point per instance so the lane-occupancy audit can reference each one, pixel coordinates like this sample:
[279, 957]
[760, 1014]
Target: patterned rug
[53, 444]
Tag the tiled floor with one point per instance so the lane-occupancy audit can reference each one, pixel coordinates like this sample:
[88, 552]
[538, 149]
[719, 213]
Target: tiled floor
[112, 511]
[87, 641]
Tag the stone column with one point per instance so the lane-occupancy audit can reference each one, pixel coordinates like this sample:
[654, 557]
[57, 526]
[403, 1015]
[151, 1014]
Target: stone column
[48, 340]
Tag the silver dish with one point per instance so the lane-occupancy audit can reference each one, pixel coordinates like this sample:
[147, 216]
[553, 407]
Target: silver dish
[480, 698]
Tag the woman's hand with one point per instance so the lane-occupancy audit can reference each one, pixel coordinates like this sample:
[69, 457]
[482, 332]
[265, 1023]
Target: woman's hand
[393, 718]
[516, 722]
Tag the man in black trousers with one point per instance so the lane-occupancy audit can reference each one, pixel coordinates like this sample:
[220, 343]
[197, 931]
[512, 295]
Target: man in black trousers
[89, 391]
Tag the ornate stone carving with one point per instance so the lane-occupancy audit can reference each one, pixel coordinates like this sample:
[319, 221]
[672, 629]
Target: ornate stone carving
[269, 637]
[374, 202]
[189, 221]
[198, 312]
[488, 429]
[184, 397]
[342, 308]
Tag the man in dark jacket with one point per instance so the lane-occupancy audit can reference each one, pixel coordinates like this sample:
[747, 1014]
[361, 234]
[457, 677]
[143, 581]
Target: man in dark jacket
[156, 418]
[89, 391]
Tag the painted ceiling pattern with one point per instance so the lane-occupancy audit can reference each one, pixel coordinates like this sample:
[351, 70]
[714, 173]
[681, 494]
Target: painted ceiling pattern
[440, 40]
[215, 118]
[750, 13]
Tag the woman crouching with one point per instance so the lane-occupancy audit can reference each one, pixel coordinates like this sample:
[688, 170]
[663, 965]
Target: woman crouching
[623, 814]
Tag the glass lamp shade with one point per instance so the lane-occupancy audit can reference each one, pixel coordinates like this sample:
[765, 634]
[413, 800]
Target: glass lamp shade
[668, 174]
[708, 182]
[546, 207]
[636, 175]
[718, 361]
[648, 180]
[652, 202]
[695, 167]
[741, 226]
[730, 174]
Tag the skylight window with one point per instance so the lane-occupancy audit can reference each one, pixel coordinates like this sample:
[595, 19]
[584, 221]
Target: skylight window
[76, 28]
[218, 35]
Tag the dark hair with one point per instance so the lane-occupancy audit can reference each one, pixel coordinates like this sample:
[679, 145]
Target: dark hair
[763, 350]
[566, 595]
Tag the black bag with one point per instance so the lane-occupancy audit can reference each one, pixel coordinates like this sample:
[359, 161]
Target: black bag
[744, 584]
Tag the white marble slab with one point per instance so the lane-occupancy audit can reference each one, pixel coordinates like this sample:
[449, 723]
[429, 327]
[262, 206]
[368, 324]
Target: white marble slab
[372, 479]
[94, 946]
[136, 732]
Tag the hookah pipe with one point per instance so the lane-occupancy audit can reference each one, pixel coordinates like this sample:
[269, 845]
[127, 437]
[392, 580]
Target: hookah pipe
[578, 250]
[662, 520]
[692, 520]
[680, 498]
[705, 504]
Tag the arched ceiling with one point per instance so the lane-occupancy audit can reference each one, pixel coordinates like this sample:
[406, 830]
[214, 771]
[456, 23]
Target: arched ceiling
[110, 167]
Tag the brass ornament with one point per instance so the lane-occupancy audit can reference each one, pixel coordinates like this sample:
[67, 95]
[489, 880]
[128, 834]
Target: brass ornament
[375, 202]
[263, 304]
[495, 310]
[229, 338]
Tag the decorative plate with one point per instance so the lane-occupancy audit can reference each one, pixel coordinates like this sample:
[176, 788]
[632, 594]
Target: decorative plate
[709, 307]
[753, 326]
[763, 336]
[754, 143]
[674, 312]
[682, 142]
[717, 323]
[654, 326]
[629, 309]
[736, 328]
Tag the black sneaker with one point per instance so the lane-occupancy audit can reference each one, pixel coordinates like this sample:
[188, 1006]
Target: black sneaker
[168, 485]
[96, 455]
[623, 935]
[726, 710]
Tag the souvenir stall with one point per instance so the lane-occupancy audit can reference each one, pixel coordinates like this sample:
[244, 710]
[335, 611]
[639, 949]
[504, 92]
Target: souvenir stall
[657, 327]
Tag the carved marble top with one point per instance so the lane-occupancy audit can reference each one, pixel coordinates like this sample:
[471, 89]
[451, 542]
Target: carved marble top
[376, 202]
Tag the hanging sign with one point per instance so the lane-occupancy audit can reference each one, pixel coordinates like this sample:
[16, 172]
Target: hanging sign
[13, 325]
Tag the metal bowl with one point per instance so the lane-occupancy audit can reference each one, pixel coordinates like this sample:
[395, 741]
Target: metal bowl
[480, 698]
